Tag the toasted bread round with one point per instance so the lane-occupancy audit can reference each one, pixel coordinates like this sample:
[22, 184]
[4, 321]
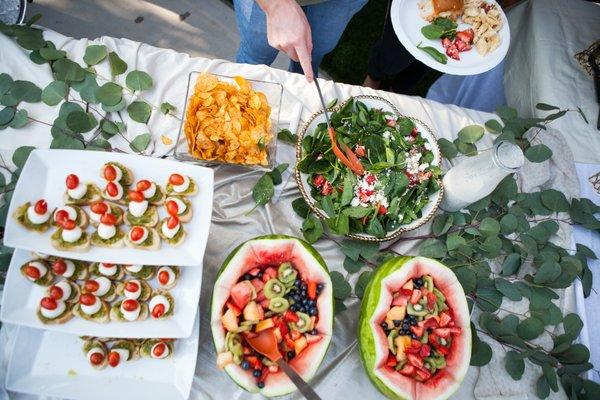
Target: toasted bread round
[177, 273]
[61, 319]
[155, 243]
[99, 242]
[151, 213]
[90, 344]
[115, 309]
[101, 316]
[92, 195]
[59, 244]
[145, 289]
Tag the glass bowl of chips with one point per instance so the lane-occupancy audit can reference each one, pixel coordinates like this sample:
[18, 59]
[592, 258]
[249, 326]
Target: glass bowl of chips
[229, 120]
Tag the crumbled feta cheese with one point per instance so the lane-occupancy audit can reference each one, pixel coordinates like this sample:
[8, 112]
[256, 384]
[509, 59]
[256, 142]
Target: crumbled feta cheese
[412, 161]
[427, 146]
[368, 192]
[423, 167]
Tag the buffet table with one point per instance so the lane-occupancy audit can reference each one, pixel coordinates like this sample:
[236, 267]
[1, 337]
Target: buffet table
[341, 375]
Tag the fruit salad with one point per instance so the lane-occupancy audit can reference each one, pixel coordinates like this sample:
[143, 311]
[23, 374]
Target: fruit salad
[420, 328]
[269, 298]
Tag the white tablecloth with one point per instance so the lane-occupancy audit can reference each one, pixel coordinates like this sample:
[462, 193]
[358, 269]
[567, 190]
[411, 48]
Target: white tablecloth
[341, 375]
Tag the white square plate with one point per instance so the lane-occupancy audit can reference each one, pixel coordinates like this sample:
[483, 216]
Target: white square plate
[21, 299]
[44, 174]
[47, 363]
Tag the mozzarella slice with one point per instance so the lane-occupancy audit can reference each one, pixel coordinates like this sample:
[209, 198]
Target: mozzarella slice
[168, 232]
[131, 315]
[181, 206]
[71, 212]
[36, 218]
[123, 353]
[71, 235]
[151, 191]
[134, 268]
[133, 295]
[171, 276]
[106, 231]
[40, 267]
[159, 299]
[66, 289]
[93, 309]
[78, 192]
[103, 285]
[107, 270]
[51, 314]
[138, 208]
[70, 269]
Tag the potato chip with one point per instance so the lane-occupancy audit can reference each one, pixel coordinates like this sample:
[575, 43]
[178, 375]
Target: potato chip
[226, 122]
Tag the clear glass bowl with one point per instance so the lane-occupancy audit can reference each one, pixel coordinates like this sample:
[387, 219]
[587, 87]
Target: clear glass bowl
[274, 93]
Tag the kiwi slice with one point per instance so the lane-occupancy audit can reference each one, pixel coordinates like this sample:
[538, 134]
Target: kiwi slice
[273, 288]
[428, 282]
[416, 309]
[391, 340]
[302, 324]
[233, 342]
[286, 273]
[278, 304]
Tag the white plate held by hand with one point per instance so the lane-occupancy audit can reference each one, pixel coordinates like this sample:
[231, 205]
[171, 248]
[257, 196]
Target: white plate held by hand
[43, 177]
[46, 363]
[22, 297]
[407, 23]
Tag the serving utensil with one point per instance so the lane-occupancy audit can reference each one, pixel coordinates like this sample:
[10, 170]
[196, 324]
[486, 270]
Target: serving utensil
[593, 59]
[266, 344]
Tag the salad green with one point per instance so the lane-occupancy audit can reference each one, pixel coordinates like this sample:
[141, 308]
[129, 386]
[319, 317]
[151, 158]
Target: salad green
[395, 179]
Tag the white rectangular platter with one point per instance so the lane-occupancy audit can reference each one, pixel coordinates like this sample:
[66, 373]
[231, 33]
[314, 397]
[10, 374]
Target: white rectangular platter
[21, 299]
[52, 364]
[44, 174]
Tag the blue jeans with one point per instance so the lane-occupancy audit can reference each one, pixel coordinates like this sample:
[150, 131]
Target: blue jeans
[327, 23]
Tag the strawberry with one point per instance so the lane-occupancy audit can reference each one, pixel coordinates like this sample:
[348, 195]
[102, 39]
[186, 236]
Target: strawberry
[415, 360]
[445, 318]
[408, 370]
[453, 52]
[466, 36]
[446, 42]
[370, 179]
[382, 210]
[360, 150]
[319, 180]
[326, 189]
[462, 46]
[391, 361]
[425, 351]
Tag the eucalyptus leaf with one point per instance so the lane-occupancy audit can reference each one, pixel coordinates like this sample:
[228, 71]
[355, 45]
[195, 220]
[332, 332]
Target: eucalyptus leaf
[6, 115]
[300, 207]
[50, 54]
[167, 108]
[19, 120]
[341, 288]
[140, 143]
[508, 289]
[514, 364]
[493, 126]
[81, 122]
[94, 54]
[361, 283]
[55, 92]
[538, 153]
[530, 328]
[117, 65]
[21, 155]
[5, 82]
[470, 134]
[432, 248]
[67, 70]
[139, 111]
[511, 264]
[26, 91]
[109, 94]
[138, 80]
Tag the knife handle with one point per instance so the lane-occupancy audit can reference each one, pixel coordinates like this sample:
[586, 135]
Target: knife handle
[302, 386]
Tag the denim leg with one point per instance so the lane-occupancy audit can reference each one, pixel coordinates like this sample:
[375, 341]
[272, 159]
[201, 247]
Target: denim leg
[327, 20]
[252, 23]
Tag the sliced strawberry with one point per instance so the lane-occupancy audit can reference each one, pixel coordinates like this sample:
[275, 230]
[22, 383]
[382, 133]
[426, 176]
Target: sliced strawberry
[408, 370]
[234, 309]
[417, 330]
[291, 316]
[430, 322]
[312, 290]
[423, 374]
[465, 36]
[446, 42]
[283, 328]
[415, 360]
[415, 296]
[431, 300]
[425, 351]
[445, 319]
[442, 332]
[391, 361]
[405, 292]
[400, 300]
[452, 52]
[462, 46]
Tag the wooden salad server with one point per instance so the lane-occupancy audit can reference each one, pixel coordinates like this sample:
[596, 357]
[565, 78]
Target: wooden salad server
[266, 344]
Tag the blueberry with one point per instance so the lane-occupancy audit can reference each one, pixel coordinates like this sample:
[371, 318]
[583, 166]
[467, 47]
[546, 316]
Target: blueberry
[259, 275]
[320, 286]
[384, 325]
[418, 282]
[306, 302]
[303, 293]
[245, 364]
[247, 277]
[298, 282]
[413, 322]
[405, 325]
[314, 332]
[297, 297]
[290, 354]
[293, 307]
[397, 323]
[260, 384]
[312, 303]
[414, 336]
[303, 286]
[312, 311]
[256, 373]
[302, 309]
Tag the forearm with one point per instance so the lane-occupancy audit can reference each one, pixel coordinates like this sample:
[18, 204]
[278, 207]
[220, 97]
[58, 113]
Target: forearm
[269, 5]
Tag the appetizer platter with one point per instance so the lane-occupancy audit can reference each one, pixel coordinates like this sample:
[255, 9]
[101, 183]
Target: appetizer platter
[59, 365]
[100, 299]
[111, 207]
[458, 37]
[386, 180]
[229, 120]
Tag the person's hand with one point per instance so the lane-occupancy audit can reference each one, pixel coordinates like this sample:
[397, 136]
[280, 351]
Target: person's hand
[288, 30]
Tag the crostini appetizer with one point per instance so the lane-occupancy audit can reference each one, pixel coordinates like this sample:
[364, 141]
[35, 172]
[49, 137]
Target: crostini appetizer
[52, 311]
[98, 209]
[64, 290]
[107, 234]
[172, 231]
[34, 217]
[114, 191]
[37, 272]
[151, 191]
[134, 289]
[80, 193]
[180, 207]
[140, 271]
[161, 304]
[129, 310]
[122, 350]
[92, 308]
[70, 269]
[139, 211]
[100, 286]
[76, 213]
[111, 271]
[181, 185]
[70, 237]
[157, 348]
[167, 277]
[141, 237]
[116, 172]
[96, 353]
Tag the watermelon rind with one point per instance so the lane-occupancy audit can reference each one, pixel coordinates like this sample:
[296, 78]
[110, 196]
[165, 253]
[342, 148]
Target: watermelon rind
[376, 293]
[229, 273]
